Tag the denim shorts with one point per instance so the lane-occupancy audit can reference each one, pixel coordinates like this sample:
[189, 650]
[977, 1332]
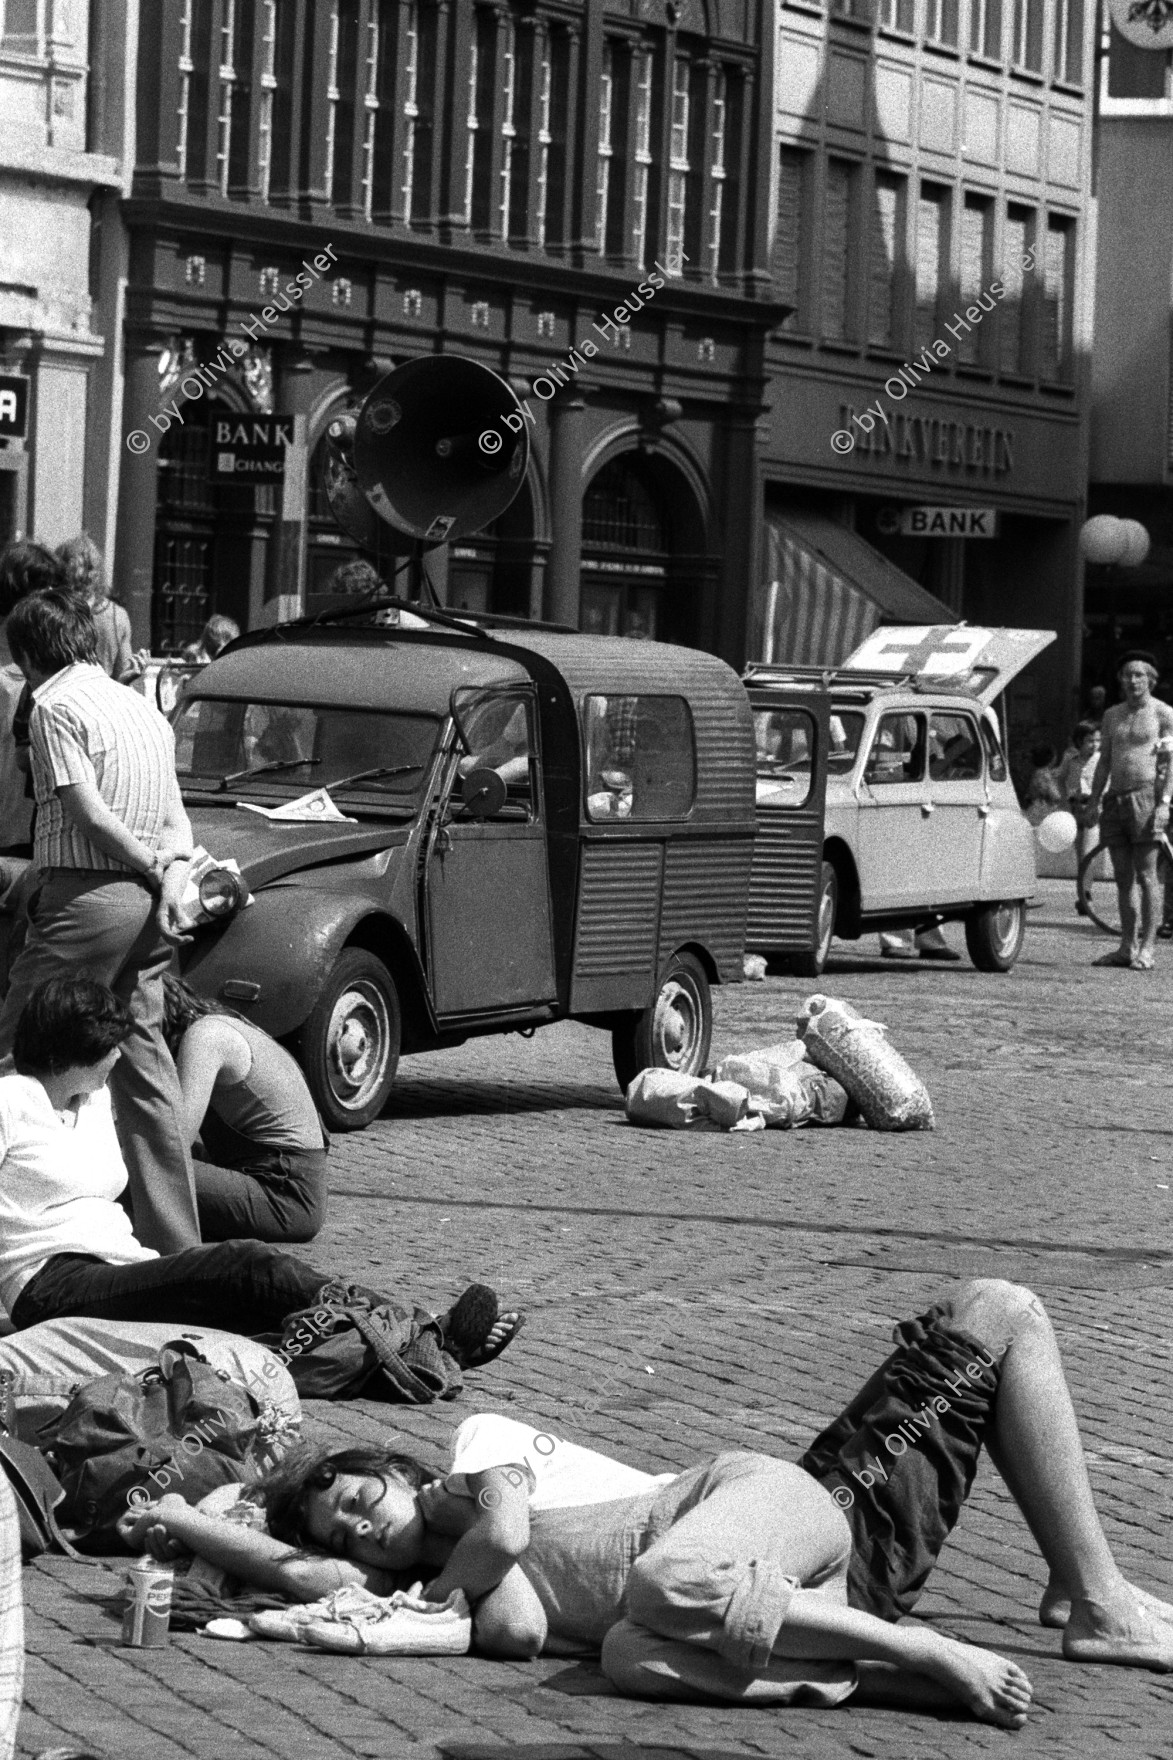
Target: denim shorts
[901, 1459]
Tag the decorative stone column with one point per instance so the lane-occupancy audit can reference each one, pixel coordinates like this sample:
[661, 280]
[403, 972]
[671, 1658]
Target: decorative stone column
[284, 586]
[133, 564]
[564, 564]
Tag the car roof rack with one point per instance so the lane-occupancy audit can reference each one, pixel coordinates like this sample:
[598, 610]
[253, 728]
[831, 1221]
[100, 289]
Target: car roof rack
[861, 679]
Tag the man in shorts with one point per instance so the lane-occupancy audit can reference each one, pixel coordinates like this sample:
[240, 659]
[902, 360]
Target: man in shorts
[1134, 777]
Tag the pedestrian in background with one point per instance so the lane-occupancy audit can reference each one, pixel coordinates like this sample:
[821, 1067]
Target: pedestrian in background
[112, 848]
[82, 561]
[25, 567]
[1076, 775]
[217, 633]
[1134, 781]
[1043, 793]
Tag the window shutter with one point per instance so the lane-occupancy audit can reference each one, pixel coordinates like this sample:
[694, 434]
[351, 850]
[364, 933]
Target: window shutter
[790, 236]
[1013, 279]
[883, 266]
[836, 227]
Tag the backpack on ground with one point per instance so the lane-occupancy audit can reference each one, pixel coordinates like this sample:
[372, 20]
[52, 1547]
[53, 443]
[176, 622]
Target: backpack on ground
[127, 1439]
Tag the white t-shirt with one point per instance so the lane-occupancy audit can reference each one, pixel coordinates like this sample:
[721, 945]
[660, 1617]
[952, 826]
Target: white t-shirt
[59, 1184]
[566, 1475]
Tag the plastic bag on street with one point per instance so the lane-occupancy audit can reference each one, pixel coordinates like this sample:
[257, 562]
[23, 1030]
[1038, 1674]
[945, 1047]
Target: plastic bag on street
[784, 1087]
[667, 1097]
[857, 1054]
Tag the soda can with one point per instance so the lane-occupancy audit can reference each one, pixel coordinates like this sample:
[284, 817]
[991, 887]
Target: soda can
[146, 1622]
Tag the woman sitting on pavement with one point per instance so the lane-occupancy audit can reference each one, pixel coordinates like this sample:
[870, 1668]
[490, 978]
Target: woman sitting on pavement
[67, 1246]
[746, 1578]
[247, 1100]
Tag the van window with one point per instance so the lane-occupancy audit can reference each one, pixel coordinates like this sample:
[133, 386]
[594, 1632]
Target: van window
[898, 751]
[846, 732]
[496, 733]
[640, 757]
[785, 740]
[994, 754]
[954, 752]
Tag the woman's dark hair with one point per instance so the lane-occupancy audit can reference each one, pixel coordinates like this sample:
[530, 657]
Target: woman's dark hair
[1083, 730]
[181, 1006]
[51, 629]
[285, 1492]
[27, 567]
[68, 1023]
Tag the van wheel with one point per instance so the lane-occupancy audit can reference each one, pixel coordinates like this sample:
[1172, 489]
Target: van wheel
[994, 935]
[349, 1046]
[674, 1032]
[810, 965]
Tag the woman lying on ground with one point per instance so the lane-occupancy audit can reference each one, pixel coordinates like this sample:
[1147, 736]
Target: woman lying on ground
[750, 1579]
[264, 1178]
[67, 1246]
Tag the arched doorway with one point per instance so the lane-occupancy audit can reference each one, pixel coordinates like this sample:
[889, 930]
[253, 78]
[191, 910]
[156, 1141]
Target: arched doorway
[210, 537]
[644, 569]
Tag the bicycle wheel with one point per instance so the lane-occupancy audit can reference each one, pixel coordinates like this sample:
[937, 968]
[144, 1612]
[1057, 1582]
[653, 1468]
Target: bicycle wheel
[1103, 901]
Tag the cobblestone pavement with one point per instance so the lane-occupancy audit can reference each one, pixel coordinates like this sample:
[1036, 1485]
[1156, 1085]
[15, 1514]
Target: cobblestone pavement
[688, 1293]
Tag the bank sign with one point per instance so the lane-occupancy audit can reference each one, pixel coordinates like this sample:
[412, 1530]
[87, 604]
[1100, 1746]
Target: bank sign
[940, 522]
[14, 406]
[250, 449]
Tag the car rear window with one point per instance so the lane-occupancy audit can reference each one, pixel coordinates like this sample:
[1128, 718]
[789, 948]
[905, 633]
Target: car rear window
[640, 757]
[785, 740]
[898, 751]
[294, 747]
[955, 754]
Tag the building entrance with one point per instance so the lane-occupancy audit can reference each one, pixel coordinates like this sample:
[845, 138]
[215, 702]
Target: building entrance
[643, 562]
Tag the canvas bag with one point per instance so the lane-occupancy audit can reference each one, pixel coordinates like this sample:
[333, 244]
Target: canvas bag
[125, 1439]
[354, 1343]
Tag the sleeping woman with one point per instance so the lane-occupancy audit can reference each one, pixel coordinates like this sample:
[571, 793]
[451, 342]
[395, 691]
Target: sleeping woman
[749, 1579]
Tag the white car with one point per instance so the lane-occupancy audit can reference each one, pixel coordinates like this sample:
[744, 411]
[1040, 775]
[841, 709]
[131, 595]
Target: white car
[884, 796]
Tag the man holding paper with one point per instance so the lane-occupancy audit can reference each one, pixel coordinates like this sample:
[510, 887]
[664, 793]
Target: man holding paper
[112, 851]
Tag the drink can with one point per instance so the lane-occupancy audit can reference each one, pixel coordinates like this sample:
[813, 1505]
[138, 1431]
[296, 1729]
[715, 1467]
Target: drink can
[147, 1620]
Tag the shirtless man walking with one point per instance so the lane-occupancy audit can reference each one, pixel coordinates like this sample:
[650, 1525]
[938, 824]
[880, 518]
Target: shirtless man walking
[1138, 783]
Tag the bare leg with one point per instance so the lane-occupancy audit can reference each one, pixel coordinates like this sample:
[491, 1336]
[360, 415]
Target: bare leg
[1145, 861]
[1036, 1447]
[1125, 876]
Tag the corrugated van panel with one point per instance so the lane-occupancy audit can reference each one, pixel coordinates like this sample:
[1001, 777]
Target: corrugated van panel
[781, 907]
[618, 913]
[705, 885]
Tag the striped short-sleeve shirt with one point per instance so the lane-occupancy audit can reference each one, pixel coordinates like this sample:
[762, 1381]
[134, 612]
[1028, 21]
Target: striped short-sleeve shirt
[86, 728]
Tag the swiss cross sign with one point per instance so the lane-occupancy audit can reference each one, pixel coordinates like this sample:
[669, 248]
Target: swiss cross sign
[949, 522]
[14, 406]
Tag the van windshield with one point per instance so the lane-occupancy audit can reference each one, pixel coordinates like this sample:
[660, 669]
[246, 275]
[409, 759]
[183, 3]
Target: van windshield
[287, 749]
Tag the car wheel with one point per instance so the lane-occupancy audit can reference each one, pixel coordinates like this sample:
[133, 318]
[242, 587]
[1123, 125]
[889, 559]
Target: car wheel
[674, 1031]
[349, 1046]
[810, 965]
[994, 935]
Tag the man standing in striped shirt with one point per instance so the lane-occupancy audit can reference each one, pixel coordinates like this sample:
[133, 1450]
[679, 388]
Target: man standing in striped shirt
[112, 846]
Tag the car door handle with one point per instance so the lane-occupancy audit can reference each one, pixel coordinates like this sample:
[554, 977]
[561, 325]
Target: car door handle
[443, 840]
[926, 808]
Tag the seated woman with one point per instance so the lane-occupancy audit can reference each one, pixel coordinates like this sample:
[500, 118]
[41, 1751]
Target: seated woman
[247, 1100]
[67, 1246]
[746, 1578]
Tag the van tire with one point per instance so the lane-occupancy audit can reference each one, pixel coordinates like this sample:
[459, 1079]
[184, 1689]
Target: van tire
[349, 1045]
[674, 1031]
[994, 935]
[811, 963]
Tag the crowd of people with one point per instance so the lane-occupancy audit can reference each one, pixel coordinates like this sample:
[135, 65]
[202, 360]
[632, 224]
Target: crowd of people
[745, 1578]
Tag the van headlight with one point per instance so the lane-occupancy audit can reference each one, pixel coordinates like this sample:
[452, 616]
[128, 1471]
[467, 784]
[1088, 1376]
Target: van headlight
[221, 893]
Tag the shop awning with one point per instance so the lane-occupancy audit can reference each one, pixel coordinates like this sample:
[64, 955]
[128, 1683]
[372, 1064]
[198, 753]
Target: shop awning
[825, 589]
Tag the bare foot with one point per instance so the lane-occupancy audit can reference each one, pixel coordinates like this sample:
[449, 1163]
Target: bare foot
[995, 1690]
[1055, 1606]
[1121, 1631]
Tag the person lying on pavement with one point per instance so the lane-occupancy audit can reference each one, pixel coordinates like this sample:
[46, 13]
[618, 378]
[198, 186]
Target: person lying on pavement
[67, 1246]
[749, 1579]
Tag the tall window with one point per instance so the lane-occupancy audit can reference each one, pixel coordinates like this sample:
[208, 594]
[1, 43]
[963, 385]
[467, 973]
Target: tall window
[834, 295]
[641, 79]
[896, 15]
[370, 123]
[716, 172]
[977, 244]
[677, 163]
[332, 96]
[1016, 240]
[941, 22]
[1058, 277]
[186, 70]
[985, 28]
[544, 74]
[884, 260]
[22, 27]
[472, 124]
[603, 169]
[411, 108]
[792, 235]
[1069, 41]
[508, 41]
[932, 235]
[268, 23]
[1027, 46]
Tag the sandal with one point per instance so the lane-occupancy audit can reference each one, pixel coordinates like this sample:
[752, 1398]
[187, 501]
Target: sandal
[468, 1322]
[477, 1359]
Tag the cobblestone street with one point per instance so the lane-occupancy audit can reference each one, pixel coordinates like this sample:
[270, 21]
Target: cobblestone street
[688, 1293]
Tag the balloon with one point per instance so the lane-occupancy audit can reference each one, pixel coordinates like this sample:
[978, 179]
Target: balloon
[1057, 832]
[1137, 543]
[1103, 539]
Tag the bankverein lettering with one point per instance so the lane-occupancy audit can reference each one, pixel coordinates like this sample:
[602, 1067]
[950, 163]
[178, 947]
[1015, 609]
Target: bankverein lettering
[934, 440]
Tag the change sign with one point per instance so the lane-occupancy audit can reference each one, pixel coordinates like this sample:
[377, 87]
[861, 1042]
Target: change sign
[14, 406]
[949, 522]
[250, 448]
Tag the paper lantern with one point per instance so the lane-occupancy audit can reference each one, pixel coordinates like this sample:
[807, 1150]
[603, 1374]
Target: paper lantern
[1137, 543]
[1057, 832]
[1102, 539]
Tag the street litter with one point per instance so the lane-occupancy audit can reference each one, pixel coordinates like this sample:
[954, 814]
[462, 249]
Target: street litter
[856, 1052]
[307, 808]
[747, 1092]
